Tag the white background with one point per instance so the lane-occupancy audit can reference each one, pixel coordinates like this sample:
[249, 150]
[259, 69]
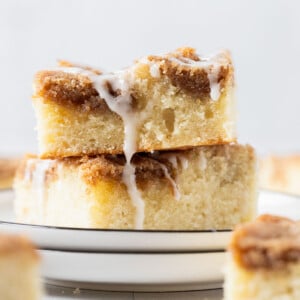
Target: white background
[263, 36]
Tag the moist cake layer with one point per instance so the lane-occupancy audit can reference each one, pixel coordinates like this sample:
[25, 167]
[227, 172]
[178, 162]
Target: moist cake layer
[203, 188]
[173, 101]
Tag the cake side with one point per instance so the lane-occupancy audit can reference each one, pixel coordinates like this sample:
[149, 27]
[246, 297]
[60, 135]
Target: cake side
[243, 284]
[75, 111]
[19, 264]
[264, 260]
[201, 188]
[280, 173]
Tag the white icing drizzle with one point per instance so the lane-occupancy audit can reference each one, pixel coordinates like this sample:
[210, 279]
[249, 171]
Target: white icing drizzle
[37, 176]
[171, 180]
[154, 70]
[120, 82]
[183, 162]
[173, 160]
[202, 161]
[122, 105]
[28, 170]
[214, 84]
[229, 128]
[59, 171]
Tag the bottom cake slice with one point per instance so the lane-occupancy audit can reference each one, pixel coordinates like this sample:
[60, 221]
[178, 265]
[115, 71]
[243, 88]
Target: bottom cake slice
[19, 269]
[264, 261]
[211, 187]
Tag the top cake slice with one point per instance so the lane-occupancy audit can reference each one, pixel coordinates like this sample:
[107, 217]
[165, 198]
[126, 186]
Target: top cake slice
[174, 101]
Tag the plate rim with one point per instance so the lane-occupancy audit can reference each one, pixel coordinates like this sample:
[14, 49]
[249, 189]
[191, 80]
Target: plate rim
[139, 260]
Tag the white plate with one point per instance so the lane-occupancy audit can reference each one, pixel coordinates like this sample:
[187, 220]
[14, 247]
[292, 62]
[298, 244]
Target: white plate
[133, 271]
[76, 239]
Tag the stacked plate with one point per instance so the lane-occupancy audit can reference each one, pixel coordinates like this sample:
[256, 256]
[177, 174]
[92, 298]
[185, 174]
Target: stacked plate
[135, 260]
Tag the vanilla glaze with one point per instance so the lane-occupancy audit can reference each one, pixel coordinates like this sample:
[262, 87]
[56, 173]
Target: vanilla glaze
[35, 173]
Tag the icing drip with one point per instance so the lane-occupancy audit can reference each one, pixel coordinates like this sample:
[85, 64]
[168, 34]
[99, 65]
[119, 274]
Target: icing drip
[28, 170]
[172, 181]
[214, 84]
[154, 70]
[173, 160]
[202, 161]
[37, 176]
[183, 162]
[121, 104]
[114, 89]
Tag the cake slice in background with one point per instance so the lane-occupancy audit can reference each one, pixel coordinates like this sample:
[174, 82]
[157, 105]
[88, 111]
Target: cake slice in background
[264, 261]
[8, 167]
[211, 187]
[280, 173]
[172, 101]
[19, 269]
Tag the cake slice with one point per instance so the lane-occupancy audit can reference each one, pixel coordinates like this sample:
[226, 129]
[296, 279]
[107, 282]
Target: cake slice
[8, 167]
[280, 173]
[264, 261]
[19, 269]
[172, 101]
[208, 187]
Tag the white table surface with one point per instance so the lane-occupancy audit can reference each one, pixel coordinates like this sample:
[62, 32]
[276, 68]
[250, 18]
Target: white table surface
[61, 293]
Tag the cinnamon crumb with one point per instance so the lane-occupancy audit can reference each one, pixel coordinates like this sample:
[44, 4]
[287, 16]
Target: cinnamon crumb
[268, 243]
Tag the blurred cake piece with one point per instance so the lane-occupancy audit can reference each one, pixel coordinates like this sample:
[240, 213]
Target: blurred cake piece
[8, 167]
[172, 101]
[19, 268]
[264, 261]
[280, 173]
[211, 187]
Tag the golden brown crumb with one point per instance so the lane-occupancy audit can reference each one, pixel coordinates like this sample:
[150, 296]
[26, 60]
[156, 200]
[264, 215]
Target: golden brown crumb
[68, 89]
[67, 64]
[193, 81]
[111, 166]
[270, 242]
[187, 52]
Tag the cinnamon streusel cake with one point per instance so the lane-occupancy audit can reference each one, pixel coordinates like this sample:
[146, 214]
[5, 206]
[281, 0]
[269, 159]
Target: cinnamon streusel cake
[201, 188]
[171, 101]
[264, 261]
[280, 173]
[19, 269]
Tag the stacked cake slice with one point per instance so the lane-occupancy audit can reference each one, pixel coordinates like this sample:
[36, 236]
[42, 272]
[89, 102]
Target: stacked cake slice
[148, 147]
